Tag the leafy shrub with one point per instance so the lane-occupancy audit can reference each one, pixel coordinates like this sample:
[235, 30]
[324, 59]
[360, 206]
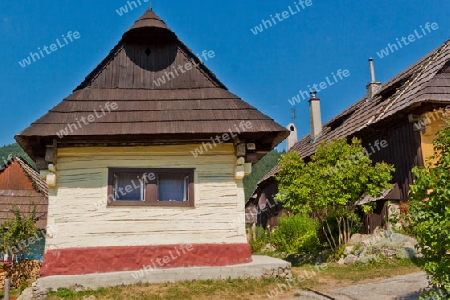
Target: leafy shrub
[429, 216]
[17, 237]
[260, 240]
[297, 233]
[15, 233]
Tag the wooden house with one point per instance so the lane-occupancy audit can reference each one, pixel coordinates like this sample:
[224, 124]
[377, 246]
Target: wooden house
[140, 169]
[396, 121]
[22, 186]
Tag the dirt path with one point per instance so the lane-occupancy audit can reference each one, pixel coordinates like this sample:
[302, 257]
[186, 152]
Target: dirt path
[404, 287]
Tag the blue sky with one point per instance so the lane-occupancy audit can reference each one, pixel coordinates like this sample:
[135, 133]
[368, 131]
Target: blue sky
[265, 69]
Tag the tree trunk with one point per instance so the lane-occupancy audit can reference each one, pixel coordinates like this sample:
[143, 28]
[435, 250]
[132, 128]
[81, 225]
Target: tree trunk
[341, 237]
[345, 231]
[331, 235]
[349, 230]
[327, 234]
[328, 239]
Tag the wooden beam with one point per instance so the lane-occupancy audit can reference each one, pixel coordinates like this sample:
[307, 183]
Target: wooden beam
[50, 153]
[412, 118]
[240, 149]
[41, 164]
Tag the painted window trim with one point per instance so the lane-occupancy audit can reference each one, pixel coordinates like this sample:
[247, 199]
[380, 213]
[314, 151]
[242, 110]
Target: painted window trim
[151, 189]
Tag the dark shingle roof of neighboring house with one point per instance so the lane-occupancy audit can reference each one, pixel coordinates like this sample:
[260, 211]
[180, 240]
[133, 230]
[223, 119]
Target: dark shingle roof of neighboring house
[21, 185]
[427, 80]
[192, 106]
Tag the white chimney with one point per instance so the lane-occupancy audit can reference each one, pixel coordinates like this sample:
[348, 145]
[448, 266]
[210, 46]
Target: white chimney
[315, 117]
[373, 86]
[292, 138]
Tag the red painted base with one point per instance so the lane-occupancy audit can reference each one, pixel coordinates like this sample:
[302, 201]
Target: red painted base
[77, 261]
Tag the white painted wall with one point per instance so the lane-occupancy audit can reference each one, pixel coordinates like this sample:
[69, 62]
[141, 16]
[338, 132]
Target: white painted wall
[77, 219]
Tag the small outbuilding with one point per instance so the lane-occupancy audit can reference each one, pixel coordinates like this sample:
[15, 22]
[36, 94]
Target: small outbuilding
[22, 186]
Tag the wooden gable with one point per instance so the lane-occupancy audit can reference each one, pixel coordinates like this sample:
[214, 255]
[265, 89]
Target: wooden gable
[20, 185]
[162, 92]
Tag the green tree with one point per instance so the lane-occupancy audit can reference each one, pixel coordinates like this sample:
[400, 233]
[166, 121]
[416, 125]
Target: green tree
[17, 234]
[9, 150]
[330, 184]
[259, 170]
[429, 216]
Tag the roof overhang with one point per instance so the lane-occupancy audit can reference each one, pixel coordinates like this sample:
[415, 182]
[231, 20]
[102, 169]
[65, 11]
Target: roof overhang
[386, 194]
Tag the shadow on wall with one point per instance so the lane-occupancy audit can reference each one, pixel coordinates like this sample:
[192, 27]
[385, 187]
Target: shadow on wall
[152, 58]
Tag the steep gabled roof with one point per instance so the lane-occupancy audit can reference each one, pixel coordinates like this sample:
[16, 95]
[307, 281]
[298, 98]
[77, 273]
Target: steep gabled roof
[21, 185]
[38, 183]
[427, 80]
[156, 100]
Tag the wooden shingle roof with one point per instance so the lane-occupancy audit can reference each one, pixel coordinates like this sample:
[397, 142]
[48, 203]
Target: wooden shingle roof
[39, 184]
[156, 101]
[427, 80]
[21, 185]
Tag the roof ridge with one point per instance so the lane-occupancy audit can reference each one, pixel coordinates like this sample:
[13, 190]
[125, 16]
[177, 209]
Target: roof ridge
[148, 15]
[408, 83]
[35, 177]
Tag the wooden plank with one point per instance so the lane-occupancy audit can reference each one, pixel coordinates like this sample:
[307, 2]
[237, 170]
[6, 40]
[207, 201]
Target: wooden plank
[78, 205]
[168, 150]
[172, 238]
[20, 193]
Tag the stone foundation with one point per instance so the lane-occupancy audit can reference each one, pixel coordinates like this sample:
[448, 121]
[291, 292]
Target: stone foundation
[261, 266]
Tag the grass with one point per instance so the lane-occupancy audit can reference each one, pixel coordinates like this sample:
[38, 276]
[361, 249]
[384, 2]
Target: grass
[12, 293]
[207, 289]
[333, 276]
[336, 276]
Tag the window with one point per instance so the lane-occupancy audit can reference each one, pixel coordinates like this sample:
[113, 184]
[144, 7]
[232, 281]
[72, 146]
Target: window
[172, 187]
[157, 187]
[128, 186]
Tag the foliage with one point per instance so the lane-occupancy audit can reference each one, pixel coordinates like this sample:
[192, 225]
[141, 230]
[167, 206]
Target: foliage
[332, 182]
[296, 234]
[260, 240]
[22, 274]
[9, 150]
[429, 215]
[259, 170]
[398, 216]
[17, 233]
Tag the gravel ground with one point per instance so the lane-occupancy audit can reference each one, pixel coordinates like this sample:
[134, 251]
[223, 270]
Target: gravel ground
[405, 287]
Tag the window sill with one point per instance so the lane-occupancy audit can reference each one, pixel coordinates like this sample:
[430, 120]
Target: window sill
[152, 203]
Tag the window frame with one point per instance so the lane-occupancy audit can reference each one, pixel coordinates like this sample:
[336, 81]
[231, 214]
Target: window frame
[151, 188]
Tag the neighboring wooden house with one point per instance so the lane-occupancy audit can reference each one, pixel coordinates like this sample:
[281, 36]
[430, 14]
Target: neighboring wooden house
[262, 209]
[21, 185]
[131, 186]
[396, 121]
